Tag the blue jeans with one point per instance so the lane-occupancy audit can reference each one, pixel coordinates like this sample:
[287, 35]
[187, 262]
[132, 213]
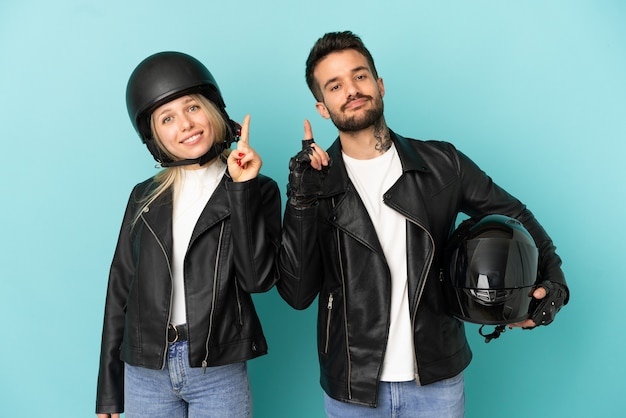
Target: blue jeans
[443, 399]
[180, 391]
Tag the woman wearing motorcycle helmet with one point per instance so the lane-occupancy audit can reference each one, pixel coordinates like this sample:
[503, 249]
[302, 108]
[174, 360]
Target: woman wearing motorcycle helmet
[196, 240]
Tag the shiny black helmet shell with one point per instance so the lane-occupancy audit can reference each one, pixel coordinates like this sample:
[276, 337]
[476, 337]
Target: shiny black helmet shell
[490, 269]
[163, 77]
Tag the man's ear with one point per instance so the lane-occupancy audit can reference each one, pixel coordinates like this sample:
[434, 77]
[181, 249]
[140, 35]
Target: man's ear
[381, 86]
[321, 108]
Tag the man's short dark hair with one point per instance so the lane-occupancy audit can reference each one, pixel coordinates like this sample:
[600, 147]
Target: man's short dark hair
[327, 44]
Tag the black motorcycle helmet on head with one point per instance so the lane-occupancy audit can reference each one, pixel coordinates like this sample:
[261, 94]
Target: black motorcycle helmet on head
[166, 76]
[490, 271]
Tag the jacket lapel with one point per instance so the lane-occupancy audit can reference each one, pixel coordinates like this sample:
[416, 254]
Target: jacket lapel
[158, 217]
[348, 213]
[405, 195]
[216, 209]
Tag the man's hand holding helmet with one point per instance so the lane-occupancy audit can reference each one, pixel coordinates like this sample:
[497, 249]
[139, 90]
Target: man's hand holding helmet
[548, 299]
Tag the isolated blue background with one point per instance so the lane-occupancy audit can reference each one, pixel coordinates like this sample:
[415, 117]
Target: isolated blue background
[534, 91]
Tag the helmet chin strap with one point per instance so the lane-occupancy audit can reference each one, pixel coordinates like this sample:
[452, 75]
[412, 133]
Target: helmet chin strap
[495, 334]
[213, 152]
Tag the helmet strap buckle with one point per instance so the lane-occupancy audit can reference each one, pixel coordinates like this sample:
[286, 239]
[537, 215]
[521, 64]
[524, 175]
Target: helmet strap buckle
[495, 334]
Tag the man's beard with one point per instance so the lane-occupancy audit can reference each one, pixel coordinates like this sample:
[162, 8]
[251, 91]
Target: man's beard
[354, 123]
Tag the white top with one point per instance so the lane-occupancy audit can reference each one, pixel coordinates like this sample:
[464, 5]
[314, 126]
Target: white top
[190, 198]
[372, 178]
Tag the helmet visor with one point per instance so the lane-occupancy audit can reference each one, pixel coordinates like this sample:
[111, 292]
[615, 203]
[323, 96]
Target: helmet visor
[493, 264]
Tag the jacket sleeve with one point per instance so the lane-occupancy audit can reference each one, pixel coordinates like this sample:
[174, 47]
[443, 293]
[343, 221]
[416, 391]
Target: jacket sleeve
[481, 196]
[255, 219]
[299, 259]
[110, 390]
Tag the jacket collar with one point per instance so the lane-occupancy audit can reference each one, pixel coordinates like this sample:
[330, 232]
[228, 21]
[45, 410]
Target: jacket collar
[159, 214]
[337, 180]
[404, 196]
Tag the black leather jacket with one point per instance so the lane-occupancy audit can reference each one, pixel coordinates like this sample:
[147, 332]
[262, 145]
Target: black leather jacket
[231, 254]
[332, 250]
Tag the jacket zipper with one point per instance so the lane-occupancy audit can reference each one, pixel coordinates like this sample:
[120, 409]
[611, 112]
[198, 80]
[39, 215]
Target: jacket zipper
[345, 319]
[419, 297]
[238, 303]
[345, 312]
[169, 269]
[215, 274]
[329, 315]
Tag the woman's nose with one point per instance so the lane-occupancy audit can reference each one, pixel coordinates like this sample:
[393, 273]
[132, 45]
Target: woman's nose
[185, 122]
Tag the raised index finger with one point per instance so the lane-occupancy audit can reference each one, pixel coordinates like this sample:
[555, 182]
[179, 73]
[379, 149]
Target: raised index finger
[308, 132]
[245, 129]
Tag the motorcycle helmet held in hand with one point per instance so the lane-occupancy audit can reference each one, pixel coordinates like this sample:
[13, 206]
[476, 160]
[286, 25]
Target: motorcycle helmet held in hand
[161, 78]
[490, 270]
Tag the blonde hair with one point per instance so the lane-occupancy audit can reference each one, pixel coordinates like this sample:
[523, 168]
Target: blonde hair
[172, 176]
